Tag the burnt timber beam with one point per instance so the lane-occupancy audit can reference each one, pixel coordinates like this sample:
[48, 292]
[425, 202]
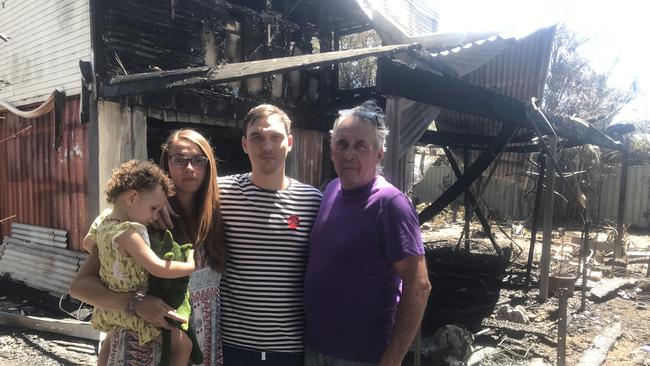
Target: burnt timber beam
[472, 201]
[202, 76]
[541, 163]
[397, 78]
[474, 171]
[447, 138]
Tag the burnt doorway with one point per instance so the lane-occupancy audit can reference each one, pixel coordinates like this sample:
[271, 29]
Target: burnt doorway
[226, 142]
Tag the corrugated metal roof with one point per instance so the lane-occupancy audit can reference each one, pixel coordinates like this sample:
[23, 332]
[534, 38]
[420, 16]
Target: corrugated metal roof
[40, 185]
[513, 68]
[401, 18]
[518, 72]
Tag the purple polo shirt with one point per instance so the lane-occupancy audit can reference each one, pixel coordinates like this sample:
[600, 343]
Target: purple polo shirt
[351, 287]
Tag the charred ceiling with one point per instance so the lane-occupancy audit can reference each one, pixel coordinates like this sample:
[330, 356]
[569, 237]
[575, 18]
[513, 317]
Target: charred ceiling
[133, 37]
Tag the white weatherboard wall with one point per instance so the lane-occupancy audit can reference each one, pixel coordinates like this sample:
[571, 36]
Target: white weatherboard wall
[48, 38]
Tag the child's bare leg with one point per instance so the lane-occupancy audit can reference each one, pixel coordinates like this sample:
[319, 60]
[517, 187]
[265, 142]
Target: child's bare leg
[181, 348]
[104, 350]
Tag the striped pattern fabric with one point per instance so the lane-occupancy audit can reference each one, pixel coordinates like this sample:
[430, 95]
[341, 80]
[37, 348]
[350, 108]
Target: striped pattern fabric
[267, 234]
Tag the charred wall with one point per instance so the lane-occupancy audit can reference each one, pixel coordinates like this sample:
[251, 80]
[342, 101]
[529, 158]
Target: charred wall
[141, 35]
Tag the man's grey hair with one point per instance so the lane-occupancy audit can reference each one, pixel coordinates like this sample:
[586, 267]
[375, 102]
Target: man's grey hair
[368, 112]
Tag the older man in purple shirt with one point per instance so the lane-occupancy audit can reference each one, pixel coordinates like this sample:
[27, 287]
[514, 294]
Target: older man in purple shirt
[366, 285]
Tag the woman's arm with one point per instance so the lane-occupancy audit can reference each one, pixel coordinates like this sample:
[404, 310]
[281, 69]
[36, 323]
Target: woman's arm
[134, 245]
[89, 288]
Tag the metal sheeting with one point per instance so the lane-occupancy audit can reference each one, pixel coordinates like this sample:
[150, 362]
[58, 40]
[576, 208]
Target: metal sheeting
[40, 266]
[40, 185]
[519, 72]
[504, 195]
[637, 197]
[410, 17]
[305, 161]
[513, 68]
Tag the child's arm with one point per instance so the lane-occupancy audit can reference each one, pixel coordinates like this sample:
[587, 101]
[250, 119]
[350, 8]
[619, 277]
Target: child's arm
[132, 244]
[88, 243]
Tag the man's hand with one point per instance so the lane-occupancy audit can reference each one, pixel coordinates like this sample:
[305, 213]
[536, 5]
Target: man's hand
[415, 291]
[156, 312]
[164, 219]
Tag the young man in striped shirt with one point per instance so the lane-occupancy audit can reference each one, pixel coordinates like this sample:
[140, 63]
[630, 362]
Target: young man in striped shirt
[268, 218]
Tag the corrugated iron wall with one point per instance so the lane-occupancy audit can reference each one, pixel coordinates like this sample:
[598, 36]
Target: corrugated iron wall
[38, 184]
[637, 196]
[305, 161]
[505, 197]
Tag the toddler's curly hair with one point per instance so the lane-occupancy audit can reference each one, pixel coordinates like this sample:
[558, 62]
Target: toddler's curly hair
[138, 175]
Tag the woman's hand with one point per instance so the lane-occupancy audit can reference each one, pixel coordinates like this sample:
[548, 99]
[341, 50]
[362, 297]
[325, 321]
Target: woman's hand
[156, 312]
[164, 219]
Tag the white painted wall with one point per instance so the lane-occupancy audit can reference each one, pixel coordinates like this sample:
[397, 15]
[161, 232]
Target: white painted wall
[48, 38]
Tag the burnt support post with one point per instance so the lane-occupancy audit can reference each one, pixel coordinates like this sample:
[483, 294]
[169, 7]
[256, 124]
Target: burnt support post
[539, 189]
[584, 254]
[391, 162]
[473, 201]
[620, 218]
[562, 325]
[545, 260]
[468, 206]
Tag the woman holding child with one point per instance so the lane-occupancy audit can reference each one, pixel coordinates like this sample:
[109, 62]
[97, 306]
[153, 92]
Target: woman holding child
[189, 160]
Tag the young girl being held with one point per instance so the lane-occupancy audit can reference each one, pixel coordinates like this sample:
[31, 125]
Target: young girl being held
[137, 190]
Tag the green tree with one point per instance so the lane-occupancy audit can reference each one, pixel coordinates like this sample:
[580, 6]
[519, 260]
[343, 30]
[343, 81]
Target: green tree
[358, 73]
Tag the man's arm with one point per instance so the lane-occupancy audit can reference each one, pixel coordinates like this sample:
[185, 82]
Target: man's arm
[415, 291]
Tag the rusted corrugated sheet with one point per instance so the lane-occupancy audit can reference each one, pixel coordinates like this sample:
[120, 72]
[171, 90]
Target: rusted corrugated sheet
[38, 184]
[305, 161]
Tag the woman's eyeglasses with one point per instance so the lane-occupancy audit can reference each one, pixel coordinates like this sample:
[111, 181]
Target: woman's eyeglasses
[180, 161]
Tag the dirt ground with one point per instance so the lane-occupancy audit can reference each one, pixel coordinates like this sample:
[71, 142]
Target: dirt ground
[20, 347]
[633, 347]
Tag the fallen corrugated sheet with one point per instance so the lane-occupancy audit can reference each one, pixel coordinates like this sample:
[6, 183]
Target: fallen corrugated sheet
[39, 234]
[39, 263]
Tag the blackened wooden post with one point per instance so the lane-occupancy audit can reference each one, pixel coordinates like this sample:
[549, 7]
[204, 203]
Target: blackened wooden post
[391, 157]
[562, 325]
[545, 260]
[620, 219]
[584, 251]
[468, 207]
[541, 163]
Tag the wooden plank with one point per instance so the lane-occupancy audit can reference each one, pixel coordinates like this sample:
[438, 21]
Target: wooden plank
[607, 286]
[516, 328]
[446, 138]
[73, 328]
[201, 76]
[596, 354]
